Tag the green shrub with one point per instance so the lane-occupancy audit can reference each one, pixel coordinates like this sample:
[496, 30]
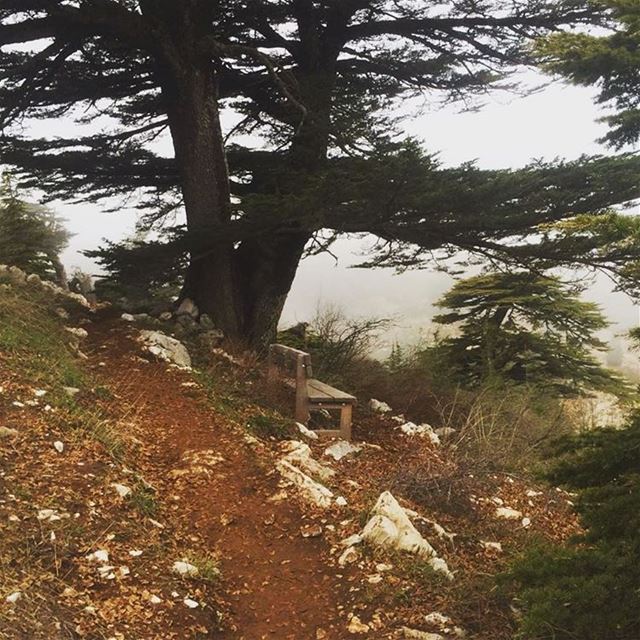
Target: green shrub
[589, 589]
[271, 426]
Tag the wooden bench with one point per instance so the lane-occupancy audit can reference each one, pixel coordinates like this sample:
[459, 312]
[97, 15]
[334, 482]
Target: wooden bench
[311, 394]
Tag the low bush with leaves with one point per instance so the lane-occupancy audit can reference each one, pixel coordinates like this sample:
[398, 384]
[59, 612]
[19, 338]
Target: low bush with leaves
[590, 588]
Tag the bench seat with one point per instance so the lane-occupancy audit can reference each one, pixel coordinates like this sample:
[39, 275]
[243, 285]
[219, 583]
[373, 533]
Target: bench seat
[321, 393]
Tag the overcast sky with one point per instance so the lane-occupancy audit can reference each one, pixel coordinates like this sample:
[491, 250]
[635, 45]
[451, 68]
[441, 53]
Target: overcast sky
[509, 131]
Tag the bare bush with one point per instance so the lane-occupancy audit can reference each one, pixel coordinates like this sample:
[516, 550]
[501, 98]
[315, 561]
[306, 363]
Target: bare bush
[502, 428]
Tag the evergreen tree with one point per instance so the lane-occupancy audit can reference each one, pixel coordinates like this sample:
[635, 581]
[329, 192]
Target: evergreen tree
[524, 328]
[31, 237]
[609, 61]
[590, 587]
[315, 79]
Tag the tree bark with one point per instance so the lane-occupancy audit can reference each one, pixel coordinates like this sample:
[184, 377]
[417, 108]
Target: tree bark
[188, 80]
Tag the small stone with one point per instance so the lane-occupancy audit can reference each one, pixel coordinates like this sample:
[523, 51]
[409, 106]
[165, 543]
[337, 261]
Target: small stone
[379, 407]
[341, 501]
[127, 317]
[321, 634]
[39, 393]
[135, 553]
[12, 598]
[101, 556]
[356, 626]
[349, 555]
[78, 332]
[341, 449]
[491, 546]
[122, 490]
[185, 568]
[58, 446]
[153, 599]
[311, 531]
[192, 604]
[306, 432]
[71, 391]
[51, 515]
[526, 522]
[507, 513]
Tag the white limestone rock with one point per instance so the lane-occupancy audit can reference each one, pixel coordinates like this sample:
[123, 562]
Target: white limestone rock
[306, 432]
[390, 526]
[414, 634]
[187, 308]
[166, 348]
[121, 489]
[356, 626]
[379, 407]
[300, 454]
[311, 490]
[507, 513]
[341, 449]
[101, 556]
[420, 430]
[77, 332]
[183, 568]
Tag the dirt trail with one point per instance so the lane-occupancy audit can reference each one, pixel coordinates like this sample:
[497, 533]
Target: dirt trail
[279, 584]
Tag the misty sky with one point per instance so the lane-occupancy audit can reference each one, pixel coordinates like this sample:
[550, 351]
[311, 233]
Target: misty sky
[509, 131]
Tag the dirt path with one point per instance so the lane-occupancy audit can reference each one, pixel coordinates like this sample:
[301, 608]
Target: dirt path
[278, 584]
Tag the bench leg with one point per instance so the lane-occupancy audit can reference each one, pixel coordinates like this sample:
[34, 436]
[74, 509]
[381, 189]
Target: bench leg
[345, 422]
[302, 409]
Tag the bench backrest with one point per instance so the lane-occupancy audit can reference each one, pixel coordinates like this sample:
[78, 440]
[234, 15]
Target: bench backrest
[291, 362]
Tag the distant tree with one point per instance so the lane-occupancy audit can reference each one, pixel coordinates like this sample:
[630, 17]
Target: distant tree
[31, 236]
[589, 588]
[524, 328]
[609, 61]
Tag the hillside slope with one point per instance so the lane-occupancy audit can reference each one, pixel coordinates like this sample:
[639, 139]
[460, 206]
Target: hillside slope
[140, 500]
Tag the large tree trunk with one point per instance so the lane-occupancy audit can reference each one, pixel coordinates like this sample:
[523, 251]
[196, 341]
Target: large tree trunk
[242, 287]
[190, 95]
[268, 268]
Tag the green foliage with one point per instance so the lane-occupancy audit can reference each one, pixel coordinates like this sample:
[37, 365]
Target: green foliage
[142, 270]
[526, 329]
[34, 342]
[609, 61]
[31, 236]
[143, 499]
[270, 426]
[590, 588]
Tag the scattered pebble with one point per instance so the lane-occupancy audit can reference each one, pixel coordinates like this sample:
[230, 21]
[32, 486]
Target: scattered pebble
[101, 556]
[185, 568]
[121, 489]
